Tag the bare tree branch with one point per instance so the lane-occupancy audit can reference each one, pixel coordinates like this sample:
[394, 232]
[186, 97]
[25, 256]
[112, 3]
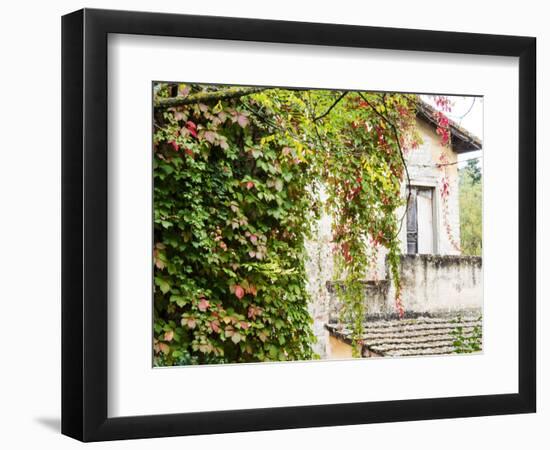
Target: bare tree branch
[327, 112]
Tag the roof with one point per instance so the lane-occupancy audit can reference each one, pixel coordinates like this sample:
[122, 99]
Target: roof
[409, 337]
[462, 140]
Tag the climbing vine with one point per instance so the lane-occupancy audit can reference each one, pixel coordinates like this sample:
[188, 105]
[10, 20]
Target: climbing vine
[467, 340]
[238, 178]
[443, 130]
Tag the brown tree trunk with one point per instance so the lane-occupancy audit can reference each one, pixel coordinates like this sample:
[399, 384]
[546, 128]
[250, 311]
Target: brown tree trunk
[206, 97]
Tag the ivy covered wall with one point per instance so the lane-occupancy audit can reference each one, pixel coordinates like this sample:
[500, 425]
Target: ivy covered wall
[237, 177]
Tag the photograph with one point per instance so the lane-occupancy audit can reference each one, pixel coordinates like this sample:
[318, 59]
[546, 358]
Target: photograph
[298, 224]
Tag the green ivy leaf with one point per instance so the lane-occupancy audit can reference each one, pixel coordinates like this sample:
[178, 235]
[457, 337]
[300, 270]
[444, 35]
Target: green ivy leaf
[162, 284]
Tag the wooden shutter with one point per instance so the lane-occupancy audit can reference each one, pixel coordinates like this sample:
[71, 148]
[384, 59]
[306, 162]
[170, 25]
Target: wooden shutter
[412, 223]
[424, 219]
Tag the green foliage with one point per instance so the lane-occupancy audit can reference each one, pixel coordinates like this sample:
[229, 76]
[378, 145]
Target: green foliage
[467, 342]
[472, 167]
[237, 188]
[470, 200]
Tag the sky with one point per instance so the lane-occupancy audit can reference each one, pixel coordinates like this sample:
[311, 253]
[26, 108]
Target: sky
[468, 113]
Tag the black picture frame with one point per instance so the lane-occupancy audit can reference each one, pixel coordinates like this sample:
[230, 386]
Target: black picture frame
[84, 224]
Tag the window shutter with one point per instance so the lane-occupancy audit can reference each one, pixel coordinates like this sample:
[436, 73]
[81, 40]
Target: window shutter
[412, 224]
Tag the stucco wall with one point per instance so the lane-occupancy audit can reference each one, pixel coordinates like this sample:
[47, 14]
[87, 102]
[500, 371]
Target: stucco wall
[431, 284]
[440, 284]
[376, 299]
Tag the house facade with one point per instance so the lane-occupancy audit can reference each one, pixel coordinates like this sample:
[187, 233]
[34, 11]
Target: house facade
[437, 280]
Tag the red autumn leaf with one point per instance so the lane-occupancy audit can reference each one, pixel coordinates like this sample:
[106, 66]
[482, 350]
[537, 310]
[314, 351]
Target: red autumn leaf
[158, 262]
[203, 304]
[188, 152]
[164, 348]
[222, 115]
[169, 335]
[215, 325]
[192, 128]
[223, 143]
[242, 120]
[174, 145]
[179, 115]
[183, 90]
[251, 312]
[254, 311]
[210, 136]
[239, 292]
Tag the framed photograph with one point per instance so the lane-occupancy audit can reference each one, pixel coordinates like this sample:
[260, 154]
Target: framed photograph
[273, 225]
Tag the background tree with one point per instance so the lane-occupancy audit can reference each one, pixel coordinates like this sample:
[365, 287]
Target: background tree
[470, 202]
[472, 166]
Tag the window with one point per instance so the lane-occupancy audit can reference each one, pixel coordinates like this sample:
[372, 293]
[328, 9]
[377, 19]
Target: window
[420, 221]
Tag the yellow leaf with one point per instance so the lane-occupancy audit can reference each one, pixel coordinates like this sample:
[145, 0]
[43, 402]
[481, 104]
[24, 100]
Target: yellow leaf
[218, 107]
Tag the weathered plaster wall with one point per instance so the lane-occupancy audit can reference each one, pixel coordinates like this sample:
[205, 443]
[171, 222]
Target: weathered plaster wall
[336, 349]
[376, 299]
[436, 285]
[440, 284]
